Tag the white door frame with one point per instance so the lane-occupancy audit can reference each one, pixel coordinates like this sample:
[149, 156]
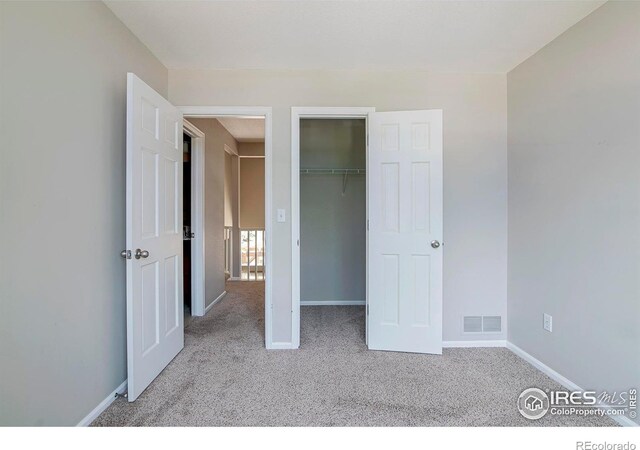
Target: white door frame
[234, 154]
[298, 113]
[253, 111]
[197, 218]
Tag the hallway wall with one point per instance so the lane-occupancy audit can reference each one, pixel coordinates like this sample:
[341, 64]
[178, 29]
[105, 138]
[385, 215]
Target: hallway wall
[252, 193]
[216, 136]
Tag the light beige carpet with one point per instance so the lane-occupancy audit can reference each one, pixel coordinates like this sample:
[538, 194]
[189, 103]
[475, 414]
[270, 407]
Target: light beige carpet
[225, 377]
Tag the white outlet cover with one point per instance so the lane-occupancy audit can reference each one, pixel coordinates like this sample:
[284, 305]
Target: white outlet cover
[548, 323]
[281, 215]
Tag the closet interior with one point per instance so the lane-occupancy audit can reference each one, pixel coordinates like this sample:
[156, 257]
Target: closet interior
[332, 212]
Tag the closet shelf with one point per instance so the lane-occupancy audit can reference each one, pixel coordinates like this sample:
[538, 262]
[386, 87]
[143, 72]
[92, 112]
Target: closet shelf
[333, 171]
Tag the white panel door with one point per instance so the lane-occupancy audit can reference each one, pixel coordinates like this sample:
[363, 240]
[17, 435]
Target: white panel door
[155, 331]
[405, 231]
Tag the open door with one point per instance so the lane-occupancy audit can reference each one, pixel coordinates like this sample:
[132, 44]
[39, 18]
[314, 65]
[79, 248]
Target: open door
[155, 331]
[405, 231]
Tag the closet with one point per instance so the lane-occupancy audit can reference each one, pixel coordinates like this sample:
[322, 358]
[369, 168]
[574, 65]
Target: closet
[332, 211]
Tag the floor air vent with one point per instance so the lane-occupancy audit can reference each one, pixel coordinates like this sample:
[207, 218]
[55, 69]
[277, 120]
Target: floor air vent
[482, 324]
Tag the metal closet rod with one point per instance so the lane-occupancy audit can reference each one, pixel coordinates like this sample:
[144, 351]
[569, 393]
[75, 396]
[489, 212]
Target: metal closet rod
[334, 171]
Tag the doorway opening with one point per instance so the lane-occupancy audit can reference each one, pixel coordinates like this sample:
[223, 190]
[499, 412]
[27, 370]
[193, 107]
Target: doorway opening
[186, 222]
[329, 214]
[193, 143]
[244, 197]
[403, 186]
[239, 142]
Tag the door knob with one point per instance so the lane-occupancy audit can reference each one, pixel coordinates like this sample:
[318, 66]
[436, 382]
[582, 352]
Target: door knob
[141, 253]
[435, 244]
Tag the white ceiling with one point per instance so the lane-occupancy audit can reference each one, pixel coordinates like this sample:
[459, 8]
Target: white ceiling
[446, 36]
[243, 129]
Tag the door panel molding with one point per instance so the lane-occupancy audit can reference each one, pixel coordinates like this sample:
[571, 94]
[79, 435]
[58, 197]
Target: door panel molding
[405, 192]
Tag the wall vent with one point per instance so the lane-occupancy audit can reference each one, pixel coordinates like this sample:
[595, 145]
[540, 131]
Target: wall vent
[472, 324]
[491, 324]
[482, 324]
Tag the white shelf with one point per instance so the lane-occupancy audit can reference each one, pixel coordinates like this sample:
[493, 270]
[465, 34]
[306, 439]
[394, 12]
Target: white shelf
[333, 171]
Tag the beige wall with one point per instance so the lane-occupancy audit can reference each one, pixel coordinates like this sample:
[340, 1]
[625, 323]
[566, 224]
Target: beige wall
[251, 148]
[228, 190]
[475, 166]
[252, 193]
[574, 196]
[216, 136]
[62, 195]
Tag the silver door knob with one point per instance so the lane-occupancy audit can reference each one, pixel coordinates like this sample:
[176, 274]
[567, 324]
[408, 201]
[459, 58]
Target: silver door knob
[141, 254]
[435, 244]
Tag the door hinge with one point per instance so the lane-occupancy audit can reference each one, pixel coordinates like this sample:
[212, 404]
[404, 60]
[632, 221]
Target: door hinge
[126, 254]
[367, 309]
[367, 224]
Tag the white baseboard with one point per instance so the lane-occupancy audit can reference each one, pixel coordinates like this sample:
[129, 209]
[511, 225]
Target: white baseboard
[333, 303]
[564, 381]
[206, 310]
[473, 344]
[104, 404]
[281, 346]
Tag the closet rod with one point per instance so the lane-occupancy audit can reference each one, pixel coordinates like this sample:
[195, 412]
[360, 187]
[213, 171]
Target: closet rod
[334, 171]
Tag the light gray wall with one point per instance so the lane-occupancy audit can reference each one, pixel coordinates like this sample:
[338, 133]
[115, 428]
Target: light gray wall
[475, 166]
[574, 200]
[216, 136]
[62, 195]
[332, 224]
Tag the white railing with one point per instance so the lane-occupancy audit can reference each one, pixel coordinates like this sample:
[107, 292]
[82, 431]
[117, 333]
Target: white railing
[252, 247]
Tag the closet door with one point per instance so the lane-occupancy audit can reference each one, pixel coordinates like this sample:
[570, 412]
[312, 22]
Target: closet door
[405, 231]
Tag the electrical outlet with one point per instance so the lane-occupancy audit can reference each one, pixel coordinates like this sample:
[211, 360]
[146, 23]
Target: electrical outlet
[548, 323]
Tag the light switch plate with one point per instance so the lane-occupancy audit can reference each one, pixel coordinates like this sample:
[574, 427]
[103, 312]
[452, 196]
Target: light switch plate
[547, 323]
[281, 215]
